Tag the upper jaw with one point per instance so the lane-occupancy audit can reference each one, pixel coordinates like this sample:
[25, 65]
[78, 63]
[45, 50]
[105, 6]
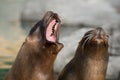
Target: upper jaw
[47, 19]
[50, 15]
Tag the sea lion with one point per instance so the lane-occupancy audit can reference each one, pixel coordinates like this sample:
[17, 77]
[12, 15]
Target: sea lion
[37, 55]
[91, 58]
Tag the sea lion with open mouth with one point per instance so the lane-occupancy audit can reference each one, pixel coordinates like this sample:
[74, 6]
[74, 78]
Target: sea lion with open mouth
[36, 57]
[91, 58]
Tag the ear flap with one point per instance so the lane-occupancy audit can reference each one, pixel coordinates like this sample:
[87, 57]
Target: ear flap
[59, 46]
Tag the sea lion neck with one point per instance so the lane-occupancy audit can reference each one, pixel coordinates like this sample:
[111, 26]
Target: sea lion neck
[41, 57]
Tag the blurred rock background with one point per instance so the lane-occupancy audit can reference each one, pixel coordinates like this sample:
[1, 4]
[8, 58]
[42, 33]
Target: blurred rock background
[78, 16]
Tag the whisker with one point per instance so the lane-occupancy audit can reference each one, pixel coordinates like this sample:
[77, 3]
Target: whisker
[87, 35]
[88, 38]
[85, 42]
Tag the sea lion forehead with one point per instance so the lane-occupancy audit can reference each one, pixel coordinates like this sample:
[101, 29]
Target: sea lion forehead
[97, 31]
[49, 15]
[100, 30]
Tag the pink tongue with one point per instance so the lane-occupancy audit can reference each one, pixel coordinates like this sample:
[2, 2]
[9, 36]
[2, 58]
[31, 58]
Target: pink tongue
[50, 37]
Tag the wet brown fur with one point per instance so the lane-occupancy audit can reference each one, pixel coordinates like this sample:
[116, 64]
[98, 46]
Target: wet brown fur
[91, 58]
[36, 57]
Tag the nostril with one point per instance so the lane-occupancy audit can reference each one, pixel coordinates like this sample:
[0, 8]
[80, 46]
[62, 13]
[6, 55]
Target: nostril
[107, 36]
[57, 21]
[99, 41]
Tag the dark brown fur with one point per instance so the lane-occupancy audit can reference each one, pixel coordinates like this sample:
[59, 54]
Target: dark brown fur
[37, 55]
[91, 58]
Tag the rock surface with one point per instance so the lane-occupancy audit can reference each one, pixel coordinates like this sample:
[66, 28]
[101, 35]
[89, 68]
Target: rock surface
[93, 12]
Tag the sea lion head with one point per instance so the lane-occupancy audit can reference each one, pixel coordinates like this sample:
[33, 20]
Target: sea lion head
[44, 36]
[95, 41]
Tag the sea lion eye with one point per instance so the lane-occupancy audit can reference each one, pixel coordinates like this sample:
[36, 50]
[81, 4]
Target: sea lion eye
[107, 36]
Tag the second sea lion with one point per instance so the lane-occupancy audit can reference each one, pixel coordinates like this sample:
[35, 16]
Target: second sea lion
[91, 58]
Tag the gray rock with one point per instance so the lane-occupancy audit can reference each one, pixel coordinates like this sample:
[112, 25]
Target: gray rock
[114, 41]
[33, 10]
[113, 68]
[92, 12]
[115, 4]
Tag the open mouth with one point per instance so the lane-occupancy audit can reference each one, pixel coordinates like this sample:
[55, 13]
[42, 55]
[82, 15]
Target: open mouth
[52, 29]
